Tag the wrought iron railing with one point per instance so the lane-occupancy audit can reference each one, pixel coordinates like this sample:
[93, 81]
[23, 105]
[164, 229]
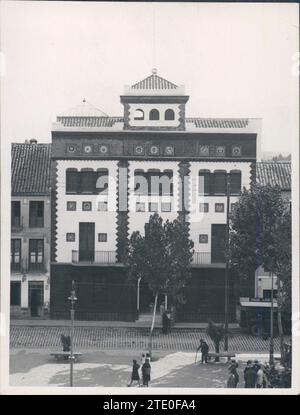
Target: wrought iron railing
[98, 257]
[201, 258]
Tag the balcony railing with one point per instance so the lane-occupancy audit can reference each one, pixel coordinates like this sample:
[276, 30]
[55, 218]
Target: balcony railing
[202, 258]
[99, 257]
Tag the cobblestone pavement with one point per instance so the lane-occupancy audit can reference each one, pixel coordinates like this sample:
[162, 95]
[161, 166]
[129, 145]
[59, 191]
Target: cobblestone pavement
[129, 338]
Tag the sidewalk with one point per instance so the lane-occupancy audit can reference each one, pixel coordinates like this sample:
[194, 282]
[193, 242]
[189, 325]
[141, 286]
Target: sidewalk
[115, 324]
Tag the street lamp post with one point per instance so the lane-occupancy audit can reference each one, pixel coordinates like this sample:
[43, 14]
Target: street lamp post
[72, 299]
[227, 262]
[271, 358]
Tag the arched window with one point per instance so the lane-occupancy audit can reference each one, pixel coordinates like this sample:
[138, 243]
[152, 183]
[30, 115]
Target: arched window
[138, 114]
[169, 115]
[220, 182]
[154, 115]
[235, 182]
[204, 182]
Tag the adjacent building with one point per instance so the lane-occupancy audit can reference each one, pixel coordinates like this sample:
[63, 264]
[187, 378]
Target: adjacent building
[97, 199]
[30, 230]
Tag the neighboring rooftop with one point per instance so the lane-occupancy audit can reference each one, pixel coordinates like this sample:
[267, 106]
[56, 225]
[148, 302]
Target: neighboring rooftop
[30, 168]
[274, 173]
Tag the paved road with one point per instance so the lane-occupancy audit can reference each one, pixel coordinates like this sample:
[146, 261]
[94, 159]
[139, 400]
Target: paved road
[128, 338]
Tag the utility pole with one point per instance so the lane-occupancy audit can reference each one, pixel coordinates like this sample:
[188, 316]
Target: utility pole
[227, 262]
[72, 299]
[271, 358]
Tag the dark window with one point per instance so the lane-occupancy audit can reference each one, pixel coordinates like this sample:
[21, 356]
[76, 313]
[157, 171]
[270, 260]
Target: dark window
[71, 206]
[203, 239]
[220, 183]
[154, 115]
[235, 182]
[86, 206]
[169, 115]
[267, 294]
[36, 214]
[160, 183]
[15, 254]
[15, 293]
[139, 114]
[204, 207]
[36, 254]
[70, 237]
[15, 214]
[72, 181]
[88, 181]
[204, 182]
[219, 207]
[102, 237]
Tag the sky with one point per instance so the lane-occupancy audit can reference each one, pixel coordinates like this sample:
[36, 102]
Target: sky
[235, 60]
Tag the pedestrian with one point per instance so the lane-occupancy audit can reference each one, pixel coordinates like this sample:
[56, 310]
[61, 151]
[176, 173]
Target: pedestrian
[135, 377]
[203, 347]
[231, 382]
[146, 372]
[168, 321]
[250, 375]
[143, 359]
[148, 356]
[233, 369]
[259, 377]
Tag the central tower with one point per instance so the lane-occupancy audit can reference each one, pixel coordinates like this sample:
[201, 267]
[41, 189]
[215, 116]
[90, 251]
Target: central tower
[154, 104]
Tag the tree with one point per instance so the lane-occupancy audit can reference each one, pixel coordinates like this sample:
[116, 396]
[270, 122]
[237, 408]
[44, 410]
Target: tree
[260, 235]
[216, 332]
[162, 258]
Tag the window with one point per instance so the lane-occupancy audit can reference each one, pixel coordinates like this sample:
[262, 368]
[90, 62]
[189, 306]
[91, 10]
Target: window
[36, 254]
[72, 181]
[15, 293]
[169, 115]
[101, 180]
[166, 207]
[140, 207]
[204, 207]
[71, 206]
[36, 214]
[140, 182]
[102, 206]
[70, 237]
[160, 183]
[219, 207]
[86, 206]
[154, 115]
[15, 255]
[138, 114]
[204, 182]
[267, 294]
[203, 239]
[220, 182]
[15, 214]
[102, 237]
[153, 207]
[88, 181]
[235, 182]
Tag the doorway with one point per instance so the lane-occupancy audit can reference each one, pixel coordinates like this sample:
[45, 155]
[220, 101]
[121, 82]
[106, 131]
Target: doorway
[218, 239]
[86, 241]
[36, 298]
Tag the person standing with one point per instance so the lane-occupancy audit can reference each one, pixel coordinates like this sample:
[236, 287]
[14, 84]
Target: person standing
[203, 347]
[250, 375]
[259, 377]
[164, 323]
[233, 370]
[231, 382]
[146, 372]
[168, 321]
[135, 377]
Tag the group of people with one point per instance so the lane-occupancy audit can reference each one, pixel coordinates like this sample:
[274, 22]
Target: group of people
[256, 375]
[145, 369]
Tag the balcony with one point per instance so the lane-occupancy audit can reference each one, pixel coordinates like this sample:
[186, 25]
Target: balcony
[201, 259]
[96, 258]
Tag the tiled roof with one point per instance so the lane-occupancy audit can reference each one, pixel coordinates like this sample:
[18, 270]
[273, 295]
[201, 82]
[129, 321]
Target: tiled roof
[84, 109]
[30, 169]
[154, 82]
[274, 173]
[218, 122]
[89, 121]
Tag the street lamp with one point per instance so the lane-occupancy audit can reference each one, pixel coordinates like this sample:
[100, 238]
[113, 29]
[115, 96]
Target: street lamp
[72, 299]
[227, 262]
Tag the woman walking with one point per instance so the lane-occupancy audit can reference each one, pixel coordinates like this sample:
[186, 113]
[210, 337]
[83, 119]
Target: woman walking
[146, 371]
[135, 377]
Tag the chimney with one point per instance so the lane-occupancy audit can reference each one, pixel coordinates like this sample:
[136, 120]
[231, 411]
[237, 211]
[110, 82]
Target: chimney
[33, 141]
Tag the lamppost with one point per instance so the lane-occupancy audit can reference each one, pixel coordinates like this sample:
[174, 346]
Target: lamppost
[72, 299]
[227, 262]
[271, 358]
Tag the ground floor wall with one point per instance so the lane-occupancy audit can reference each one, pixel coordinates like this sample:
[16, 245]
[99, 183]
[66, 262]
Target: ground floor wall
[29, 295]
[103, 293]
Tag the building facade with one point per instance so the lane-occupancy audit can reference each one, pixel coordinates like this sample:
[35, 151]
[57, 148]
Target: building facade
[30, 230]
[100, 165]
